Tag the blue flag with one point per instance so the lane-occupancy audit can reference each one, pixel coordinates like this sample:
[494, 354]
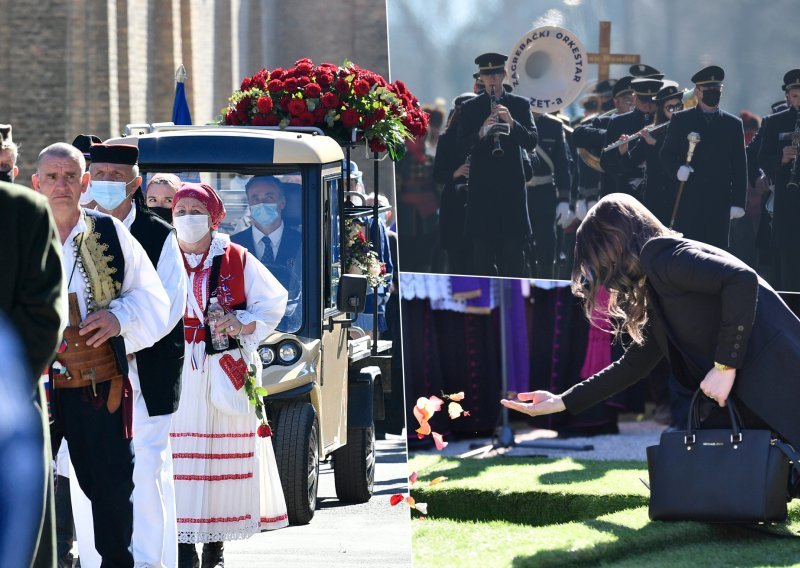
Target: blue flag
[180, 108]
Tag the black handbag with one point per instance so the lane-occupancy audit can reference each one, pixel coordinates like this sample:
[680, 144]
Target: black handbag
[720, 476]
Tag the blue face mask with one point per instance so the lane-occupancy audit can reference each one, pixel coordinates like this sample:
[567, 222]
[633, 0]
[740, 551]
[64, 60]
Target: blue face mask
[265, 213]
[108, 194]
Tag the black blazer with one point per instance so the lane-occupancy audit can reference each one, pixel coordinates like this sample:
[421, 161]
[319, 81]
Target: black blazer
[705, 305]
[787, 202]
[623, 171]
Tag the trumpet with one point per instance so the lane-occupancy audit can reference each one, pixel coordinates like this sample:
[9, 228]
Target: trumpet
[651, 128]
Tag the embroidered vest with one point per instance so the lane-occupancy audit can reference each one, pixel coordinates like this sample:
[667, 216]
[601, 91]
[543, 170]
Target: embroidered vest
[226, 283]
[160, 366]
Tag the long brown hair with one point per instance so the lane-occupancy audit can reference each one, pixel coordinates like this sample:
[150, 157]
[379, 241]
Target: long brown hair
[607, 248]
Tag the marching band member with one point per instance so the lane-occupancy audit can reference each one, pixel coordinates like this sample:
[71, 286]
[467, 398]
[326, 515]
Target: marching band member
[778, 158]
[716, 180]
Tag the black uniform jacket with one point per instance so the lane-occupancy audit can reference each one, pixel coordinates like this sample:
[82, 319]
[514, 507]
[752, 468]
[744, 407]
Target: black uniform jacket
[553, 143]
[719, 180]
[786, 216]
[623, 172]
[452, 208]
[706, 305]
[591, 136]
[660, 189]
[497, 204]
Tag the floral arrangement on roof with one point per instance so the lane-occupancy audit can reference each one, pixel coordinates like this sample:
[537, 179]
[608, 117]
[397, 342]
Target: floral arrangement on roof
[334, 98]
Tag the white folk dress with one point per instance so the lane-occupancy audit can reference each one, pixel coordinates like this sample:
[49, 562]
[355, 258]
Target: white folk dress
[226, 477]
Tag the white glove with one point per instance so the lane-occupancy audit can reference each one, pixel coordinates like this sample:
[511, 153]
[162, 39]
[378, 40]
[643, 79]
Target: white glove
[683, 172]
[736, 212]
[580, 209]
[564, 216]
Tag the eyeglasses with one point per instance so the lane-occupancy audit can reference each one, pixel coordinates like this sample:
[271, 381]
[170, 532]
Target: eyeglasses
[673, 108]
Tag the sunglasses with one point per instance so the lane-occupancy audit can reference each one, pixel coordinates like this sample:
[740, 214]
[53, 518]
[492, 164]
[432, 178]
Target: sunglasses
[673, 108]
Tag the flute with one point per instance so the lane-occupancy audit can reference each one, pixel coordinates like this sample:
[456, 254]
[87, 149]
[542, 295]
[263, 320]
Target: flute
[632, 137]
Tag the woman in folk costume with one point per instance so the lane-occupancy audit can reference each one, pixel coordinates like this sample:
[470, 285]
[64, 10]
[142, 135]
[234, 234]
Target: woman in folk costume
[226, 478]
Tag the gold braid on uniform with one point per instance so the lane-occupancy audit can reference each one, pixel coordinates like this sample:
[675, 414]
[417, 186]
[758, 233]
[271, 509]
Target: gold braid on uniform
[96, 262]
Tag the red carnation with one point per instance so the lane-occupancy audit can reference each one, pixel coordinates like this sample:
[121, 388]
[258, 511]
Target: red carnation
[376, 145]
[260, 82]
[330, 100]
[277, 73]
[264, 431]
[275, 86]
[284, 102]
[324, 80]
[258, 120]
[303, 66]
[379, 114]
[319, 114]
[312, 90]
[295, 122]
[271, 120]
[264, 104]
[230, 117]
[350, 118]
[361, 87]
[290, 85]
[307, 118]
[341, 85]
[400, 87]
[246, 83]
[243, 105]
[296, 107]
[242, 116]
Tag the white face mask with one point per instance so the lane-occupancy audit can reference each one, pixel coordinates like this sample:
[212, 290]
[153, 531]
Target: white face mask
[108, 194]
[191, 228]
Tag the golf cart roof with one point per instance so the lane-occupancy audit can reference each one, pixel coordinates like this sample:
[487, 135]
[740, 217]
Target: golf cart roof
[230, 146]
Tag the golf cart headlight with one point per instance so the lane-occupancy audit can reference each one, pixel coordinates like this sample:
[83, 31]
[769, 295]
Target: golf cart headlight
[288, 352]
[267, 355]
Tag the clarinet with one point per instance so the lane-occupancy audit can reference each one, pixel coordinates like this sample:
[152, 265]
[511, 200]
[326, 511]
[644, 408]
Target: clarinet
[497, 151]
[795, 136]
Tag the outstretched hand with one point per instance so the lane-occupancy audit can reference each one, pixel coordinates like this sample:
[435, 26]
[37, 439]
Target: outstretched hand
[535, 403]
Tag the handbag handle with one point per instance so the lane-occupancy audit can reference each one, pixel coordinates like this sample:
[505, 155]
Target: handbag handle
[693, 421]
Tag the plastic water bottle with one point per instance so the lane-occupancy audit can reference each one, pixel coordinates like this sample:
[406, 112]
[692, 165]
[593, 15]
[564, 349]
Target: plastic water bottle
[219, 339]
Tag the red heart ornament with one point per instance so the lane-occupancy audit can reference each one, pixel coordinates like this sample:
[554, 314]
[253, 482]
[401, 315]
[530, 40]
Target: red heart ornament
[236, 369]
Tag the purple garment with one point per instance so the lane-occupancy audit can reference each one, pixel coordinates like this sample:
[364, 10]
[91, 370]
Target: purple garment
[517, 356]
[476, 292]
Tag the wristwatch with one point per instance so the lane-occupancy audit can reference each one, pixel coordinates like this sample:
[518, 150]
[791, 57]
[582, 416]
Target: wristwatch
[721, 367]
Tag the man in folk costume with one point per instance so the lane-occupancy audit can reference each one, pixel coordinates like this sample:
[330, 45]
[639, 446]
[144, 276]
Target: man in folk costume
[715, 188]
[155, 372]
[116, 300]
[226, 478]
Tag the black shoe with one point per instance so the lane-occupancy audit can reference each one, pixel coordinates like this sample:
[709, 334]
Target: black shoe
[187, 556]
[212, 555]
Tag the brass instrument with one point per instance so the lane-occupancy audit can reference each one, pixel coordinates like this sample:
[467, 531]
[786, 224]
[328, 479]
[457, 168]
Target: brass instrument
[592, 160]
[795, 138]
[632, 137]
[694, 140]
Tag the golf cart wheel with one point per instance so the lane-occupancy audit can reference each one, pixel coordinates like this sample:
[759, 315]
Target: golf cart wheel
[296, 451]
[354, 466]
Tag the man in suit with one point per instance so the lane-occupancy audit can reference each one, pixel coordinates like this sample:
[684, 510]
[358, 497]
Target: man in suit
[715, 187]
[276, 245]
[627, 175]
[497, 204]
[34, 284]
[777, 156]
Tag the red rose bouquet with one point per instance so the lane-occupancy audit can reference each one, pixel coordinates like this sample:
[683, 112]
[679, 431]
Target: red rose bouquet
[333, 98]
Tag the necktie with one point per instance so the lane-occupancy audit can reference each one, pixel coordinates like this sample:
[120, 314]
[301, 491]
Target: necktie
[268, 257]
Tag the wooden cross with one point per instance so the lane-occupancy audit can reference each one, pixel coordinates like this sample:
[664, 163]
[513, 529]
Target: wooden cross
[605, 58]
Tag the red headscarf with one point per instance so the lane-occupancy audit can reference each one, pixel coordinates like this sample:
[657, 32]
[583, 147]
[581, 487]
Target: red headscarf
[207, 196]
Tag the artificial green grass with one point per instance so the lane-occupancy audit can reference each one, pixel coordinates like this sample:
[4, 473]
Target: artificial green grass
[525, 513]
